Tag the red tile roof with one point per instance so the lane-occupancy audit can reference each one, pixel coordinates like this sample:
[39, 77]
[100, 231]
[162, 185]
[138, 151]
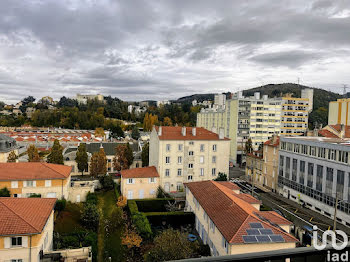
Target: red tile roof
[33, 171]
[273, 143]
[142, 172]
[274, 217]
[229, 185]
[230, 213]
[326, 133]
[336, 134]
[175, 133]
[24, 215]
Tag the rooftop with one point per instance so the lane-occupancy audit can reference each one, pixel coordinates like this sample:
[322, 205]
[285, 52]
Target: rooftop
[24, 215]
[234, 216]
[175, 133]
[318, 139]
[142, 172]
[33, 171]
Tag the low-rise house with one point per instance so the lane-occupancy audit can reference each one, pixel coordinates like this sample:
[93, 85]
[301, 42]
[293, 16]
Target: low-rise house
[232, 223]
[139, 182]
[254, 168]
[270, 165]
[28, 178]
[7, 145]
[26, 228]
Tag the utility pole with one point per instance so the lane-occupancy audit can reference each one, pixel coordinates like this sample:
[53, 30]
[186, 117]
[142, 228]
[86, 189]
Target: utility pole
[335, 212]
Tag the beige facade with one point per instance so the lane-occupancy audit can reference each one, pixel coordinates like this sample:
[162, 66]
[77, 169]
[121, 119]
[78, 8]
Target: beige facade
[188, 158]
[5, 155]
[31, 245]
[295, 115]
[254, 169]
[270, 165]
[139, 188]
[339, 112]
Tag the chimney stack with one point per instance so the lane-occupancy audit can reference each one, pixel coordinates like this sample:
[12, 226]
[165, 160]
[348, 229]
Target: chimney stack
[221, 133]
[160, 131]
[342, 131]
[213, 129]
[194, 131]
[183, 131]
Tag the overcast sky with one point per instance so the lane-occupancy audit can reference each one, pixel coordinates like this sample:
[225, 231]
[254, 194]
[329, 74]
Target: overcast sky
[137, 50]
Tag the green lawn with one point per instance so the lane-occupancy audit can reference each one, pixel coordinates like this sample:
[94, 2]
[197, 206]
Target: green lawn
[108, 246]
[68, 220]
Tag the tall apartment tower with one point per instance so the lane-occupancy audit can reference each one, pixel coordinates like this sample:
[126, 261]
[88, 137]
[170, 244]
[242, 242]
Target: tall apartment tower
[308, 93]
[338, 113]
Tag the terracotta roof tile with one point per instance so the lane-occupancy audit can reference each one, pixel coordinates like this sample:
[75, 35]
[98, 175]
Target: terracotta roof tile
[142, 172]
[24, 215]
[230, 212]
[175, 133]
[229, 185]
[273, 143]
[33, 170]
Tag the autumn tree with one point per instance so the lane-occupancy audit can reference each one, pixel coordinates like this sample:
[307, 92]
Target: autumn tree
[122, 158]
[122, 201]
[99, 132]
[12, 157]
[98, 164]
[131, 239]
[56, 155]
[149, 121]
[33, 155]
[167, 121]
[145, 154]
[82, 158]
[172, 245]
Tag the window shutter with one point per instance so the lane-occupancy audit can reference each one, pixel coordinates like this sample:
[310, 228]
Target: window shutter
[34, 183]
[7, 242]
[24, 241]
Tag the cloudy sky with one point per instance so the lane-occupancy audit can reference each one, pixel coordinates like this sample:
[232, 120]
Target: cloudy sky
[136, 50]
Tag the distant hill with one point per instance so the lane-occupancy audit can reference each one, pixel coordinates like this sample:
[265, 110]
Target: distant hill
[198, 97]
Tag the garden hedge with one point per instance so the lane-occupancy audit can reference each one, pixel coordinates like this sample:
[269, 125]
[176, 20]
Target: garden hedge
[173, 219]
[140, 221]
[153, 205]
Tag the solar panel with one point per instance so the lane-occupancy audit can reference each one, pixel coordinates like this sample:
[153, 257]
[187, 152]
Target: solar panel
[263, 238]
[256, 225]
[253, 232]
[266, 231]
[249, 239]
[276, 238]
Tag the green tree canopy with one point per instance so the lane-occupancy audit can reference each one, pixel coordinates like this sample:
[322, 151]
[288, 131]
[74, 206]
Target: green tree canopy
[145, 154]
[221, 177]
[82, 158]
[33, 155]
[56, 155]
[4, 192]
[135, 134]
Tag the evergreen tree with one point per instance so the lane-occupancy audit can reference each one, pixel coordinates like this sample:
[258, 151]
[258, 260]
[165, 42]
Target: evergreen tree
[33, 155]
[135, 134]
[145, 155]
[56, 155]
[82, 158]
[12, 157]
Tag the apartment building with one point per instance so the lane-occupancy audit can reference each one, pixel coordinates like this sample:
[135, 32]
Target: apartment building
[339, 112]
[270, 165]
[254, 168]
[139, 183]
[184, 154]
[83, 99]
[231, 222]
[26, 228]
[315, 171]
[27, 178]
[7, 145]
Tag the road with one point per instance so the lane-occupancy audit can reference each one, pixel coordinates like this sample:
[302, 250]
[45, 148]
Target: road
[291, 210]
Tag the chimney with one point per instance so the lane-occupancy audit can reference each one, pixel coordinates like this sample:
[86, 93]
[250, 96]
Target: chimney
[342, 131]
[221, 133]
[160, 131]
[194, 131]
[213, 129]
[183, 131]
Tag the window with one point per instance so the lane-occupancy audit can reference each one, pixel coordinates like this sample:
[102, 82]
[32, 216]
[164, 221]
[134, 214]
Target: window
[329, 181]
[179, 160]
[190, 165]
[29, 184]
[302, 172]
[179, 172]
[202, 148]
[16, 241]
[190, 153]
[130, 181]
[167, 172]
[319, 177]
[214, 148]
[310, 174]
[47, 183]
[167, 160]
[213, 159]
[16, 260]
[213, 171]
[331, 154]
[51, 195]
[201, 172]
[179, 147]
[178, 186]
[201, 159]
[14, 184]
[152, 191]
[191, 143]
[152, 180]
[225, 244]
[212, 226]
[189, 178]
[167, 147]
[340, 183]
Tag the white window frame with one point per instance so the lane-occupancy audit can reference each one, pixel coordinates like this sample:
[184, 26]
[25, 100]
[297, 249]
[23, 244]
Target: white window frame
[190, 166]
[48, 183]
[213, 159]
[167, 160]
[152, 180]
[191, 153]
[201, 159]
[202, 147]
[130, 181]
[167, 147]
[215, 147]
[180, 147]
[167, 172]
[179, 172]
[213, 171]
[201, 171]
[179, 159]
[14, 184]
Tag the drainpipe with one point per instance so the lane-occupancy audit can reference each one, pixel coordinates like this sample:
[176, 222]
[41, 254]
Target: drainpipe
[30, 248]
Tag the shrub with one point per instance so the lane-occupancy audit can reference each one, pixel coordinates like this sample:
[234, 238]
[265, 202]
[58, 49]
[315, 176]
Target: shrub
[204, 250]
[133, 209]
[35, 196]
[90, 216]
[70, 241]
[107, 182]
[91, 198]
[221, 177]
[153, 205]
[121, 202]
[139, 220]
[173, 219]
[4, 192]
[117, 190]
[60, 205]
